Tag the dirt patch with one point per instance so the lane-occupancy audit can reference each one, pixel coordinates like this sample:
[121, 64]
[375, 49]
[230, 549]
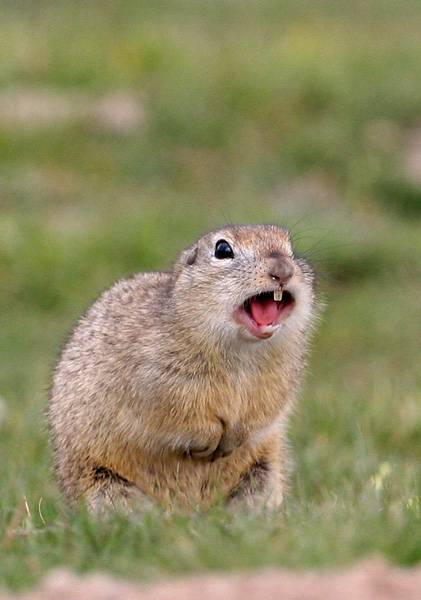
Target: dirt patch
[371, 579]
[42, 107]
[412, 155]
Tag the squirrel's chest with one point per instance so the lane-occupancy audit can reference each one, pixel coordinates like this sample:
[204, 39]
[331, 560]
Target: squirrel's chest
[253, 398]
[245, 392]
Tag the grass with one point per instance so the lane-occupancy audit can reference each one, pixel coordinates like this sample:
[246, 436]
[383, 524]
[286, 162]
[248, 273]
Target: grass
[250, 111]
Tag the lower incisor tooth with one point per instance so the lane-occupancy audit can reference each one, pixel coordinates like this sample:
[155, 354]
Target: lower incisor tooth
[277, 295]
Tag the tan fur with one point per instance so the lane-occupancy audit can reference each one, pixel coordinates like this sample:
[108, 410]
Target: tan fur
[161, 395]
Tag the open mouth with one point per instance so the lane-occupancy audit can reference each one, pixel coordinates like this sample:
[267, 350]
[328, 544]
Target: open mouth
[261, 314]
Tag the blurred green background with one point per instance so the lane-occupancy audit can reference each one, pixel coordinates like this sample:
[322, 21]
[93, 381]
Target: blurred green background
[129, 128]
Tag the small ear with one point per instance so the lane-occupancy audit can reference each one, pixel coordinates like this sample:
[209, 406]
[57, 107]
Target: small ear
[191, 256]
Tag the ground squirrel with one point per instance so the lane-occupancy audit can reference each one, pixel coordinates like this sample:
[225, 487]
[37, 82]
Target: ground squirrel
[175, 385]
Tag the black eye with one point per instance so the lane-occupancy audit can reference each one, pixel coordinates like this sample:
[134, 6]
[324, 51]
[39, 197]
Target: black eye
[223, 250]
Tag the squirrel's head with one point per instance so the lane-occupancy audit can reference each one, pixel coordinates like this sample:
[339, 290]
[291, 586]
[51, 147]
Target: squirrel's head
[243, 281]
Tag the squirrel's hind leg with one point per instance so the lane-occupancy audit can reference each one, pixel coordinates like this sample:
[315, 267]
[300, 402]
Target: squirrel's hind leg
[109, 490]
[262, 486]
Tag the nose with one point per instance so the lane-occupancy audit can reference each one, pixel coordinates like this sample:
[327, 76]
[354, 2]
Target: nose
[281, 268]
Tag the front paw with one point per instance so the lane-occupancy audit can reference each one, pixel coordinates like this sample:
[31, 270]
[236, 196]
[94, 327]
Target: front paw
[203, 445]
[220, 446]
[209, 453]
[200, 452]
[231, 440]
[224, 449]
[226, 446]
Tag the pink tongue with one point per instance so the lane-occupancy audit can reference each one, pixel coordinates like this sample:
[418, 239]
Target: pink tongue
[264, 312]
